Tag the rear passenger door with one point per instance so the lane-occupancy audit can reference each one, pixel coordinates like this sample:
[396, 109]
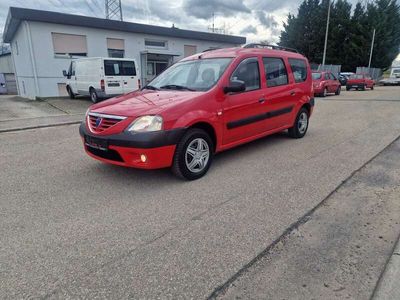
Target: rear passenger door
[278, 93]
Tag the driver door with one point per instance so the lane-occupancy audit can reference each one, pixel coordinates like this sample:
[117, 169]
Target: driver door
[243, 111]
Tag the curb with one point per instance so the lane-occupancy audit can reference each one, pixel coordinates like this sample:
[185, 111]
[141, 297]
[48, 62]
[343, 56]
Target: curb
[39, 126]
[388, 287]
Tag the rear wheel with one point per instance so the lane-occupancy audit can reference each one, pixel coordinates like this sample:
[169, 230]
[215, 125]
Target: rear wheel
[193, 155]
[372, 87]
[300, 126]
[93, 95]
[339, 89]
[70, 93]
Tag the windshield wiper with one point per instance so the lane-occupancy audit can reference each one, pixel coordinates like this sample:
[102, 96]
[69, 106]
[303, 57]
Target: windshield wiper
[176, 87]
[150, 87]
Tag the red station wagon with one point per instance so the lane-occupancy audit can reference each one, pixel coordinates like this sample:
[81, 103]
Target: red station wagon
[202, 105]
[360, 82]
[324, 83]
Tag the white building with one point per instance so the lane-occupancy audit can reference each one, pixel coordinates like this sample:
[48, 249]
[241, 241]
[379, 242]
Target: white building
[43, 44]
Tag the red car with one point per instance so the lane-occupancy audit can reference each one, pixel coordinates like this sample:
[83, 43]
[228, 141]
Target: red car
[360, 82]
[204, 104]
[324, 83]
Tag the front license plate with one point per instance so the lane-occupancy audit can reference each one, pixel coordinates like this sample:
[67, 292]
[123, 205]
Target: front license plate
[96, 143]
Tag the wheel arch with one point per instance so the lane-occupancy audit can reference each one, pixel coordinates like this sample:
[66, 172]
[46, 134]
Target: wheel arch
[209, 129]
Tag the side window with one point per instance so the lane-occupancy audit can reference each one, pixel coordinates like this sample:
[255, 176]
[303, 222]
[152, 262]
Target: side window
[326, 77]
[275, 71]
[299, 69]
[332, 76]
[248, 72]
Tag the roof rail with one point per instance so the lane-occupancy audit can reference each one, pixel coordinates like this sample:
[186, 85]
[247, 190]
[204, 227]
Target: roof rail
[211, 49]
[274, 47]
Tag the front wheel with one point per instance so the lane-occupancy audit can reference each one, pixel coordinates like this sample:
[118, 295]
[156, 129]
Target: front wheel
[339, 89]
[325, 92]
[300, 126]
[70, 93]
[363, 88]
[193, 155]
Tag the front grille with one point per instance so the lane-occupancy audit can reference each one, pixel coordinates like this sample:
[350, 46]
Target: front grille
[99, 123]
[106, 154]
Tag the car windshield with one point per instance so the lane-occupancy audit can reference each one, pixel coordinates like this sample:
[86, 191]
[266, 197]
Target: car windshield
[357, 76]
[316, 76]
[192, 75]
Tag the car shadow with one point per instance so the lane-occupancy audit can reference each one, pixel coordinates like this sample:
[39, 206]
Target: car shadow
[161, 178]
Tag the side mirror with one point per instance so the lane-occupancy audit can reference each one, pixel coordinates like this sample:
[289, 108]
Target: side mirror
[65, 74]
[235, 86]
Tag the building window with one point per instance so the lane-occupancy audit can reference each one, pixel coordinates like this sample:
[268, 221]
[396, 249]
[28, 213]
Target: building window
[68, 45]
[115, 48]
[189, 50]
[156, 44]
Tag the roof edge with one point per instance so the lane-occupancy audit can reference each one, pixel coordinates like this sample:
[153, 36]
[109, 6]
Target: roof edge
[17, 14]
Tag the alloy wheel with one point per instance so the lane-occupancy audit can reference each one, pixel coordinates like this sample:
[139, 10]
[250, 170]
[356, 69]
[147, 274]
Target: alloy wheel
[197, 155]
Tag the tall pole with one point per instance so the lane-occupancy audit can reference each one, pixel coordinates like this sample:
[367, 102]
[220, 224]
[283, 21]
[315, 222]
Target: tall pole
[372, 49]
[326, 32]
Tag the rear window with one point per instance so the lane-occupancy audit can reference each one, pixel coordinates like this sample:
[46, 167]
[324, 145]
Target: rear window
[299, 69]
[357, 76]
[316, 76]
[119, 68]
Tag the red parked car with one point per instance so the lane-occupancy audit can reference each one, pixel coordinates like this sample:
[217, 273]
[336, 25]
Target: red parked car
[360, 82]
[324, 83]
[204, 104]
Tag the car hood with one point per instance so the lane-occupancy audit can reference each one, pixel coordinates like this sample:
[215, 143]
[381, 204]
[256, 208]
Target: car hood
[143, 102]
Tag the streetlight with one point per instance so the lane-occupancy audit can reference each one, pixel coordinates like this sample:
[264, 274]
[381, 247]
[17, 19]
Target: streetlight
[326, 33]
[372, 49]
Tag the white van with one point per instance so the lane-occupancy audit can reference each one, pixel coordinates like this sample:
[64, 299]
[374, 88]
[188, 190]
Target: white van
[101, 77]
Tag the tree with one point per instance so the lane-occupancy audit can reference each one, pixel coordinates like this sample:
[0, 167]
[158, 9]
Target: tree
[349, 36]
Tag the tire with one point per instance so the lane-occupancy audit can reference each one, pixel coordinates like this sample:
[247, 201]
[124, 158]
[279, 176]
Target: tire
[372, 87]
[323, 94]
[93, 95]
[70, 93]
[183, 157]
[363, 88]
[339, 89]
[347, 88]
[299, 128]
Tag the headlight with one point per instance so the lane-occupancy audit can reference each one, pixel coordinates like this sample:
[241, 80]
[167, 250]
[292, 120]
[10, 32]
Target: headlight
[146, 124]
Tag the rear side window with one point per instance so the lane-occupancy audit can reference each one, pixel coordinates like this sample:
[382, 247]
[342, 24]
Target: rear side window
[119, 68]
[248, 72]
[299, 69]
[275, 71]
[332, 76]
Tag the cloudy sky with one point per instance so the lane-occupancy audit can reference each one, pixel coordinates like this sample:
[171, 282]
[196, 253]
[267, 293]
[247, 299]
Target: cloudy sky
[255, 19]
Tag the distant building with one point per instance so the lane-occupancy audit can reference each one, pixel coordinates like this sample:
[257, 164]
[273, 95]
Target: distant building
[7, 76]
[43, 43]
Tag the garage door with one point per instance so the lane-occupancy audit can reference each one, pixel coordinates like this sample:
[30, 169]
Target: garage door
[11, 84]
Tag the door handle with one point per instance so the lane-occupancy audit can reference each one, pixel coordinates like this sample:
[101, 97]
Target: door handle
[292, 93]
[261, 100]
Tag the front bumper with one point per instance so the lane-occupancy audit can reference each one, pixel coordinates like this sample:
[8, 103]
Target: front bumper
[127, 149]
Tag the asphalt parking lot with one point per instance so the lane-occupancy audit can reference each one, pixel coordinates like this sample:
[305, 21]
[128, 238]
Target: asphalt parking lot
[72, 227]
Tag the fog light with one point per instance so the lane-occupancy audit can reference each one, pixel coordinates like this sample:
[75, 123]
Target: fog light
[143, 158]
